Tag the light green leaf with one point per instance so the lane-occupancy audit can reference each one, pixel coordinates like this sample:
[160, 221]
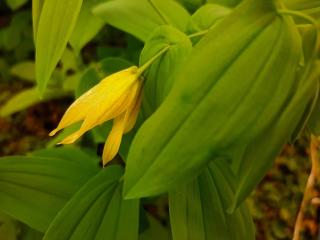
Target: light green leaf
[216, 89]
[87, 26]
[198, 209]
[27, 98]
[140, 17]
[97, 211]
[160, 75]
[15, 4]
[267, 145]
[59, 17]
[24, 71]
[34, 188]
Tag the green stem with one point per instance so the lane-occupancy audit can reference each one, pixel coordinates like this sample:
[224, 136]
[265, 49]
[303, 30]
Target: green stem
[164, 19]
[155, 57]
[198, 33]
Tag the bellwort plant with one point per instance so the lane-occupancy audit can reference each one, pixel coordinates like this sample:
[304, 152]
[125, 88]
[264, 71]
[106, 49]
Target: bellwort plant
[192, 107]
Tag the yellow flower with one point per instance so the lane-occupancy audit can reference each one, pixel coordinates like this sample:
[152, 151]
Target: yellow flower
[116, 97]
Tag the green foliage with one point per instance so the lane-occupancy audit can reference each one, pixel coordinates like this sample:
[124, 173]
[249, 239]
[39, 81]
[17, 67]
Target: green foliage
[97, 211]
[50, 45]
[198, 209]
[160, 74]
[35, 188]
[224, 88]
[141, 17]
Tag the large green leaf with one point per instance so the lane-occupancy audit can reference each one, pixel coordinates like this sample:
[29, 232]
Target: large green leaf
[257, 156]
[97, 211]
[159, 77]
[140, 18]
[198, 209]
[87, 25]
[34, 188]
[56, 23]
[218, 99]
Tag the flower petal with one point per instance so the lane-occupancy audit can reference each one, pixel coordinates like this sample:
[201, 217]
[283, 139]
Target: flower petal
[98, 98]
[113, 142]
[133, 110]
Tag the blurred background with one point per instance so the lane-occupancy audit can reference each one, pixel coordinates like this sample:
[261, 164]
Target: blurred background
[25, 121]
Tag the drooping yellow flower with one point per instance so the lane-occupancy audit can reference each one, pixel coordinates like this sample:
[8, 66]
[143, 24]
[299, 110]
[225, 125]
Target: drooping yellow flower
[116, 97]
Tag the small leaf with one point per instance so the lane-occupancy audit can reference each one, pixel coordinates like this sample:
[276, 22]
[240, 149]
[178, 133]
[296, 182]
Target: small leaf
[27, 98]
[24, 71]
[33, 189]
[59, 17]
[97, 211]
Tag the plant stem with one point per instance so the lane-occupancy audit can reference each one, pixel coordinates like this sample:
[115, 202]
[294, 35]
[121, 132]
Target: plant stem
[198, 33]
[307, 196]
[155, 57]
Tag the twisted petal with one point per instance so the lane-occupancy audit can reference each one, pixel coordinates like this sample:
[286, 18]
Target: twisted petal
[94, 103]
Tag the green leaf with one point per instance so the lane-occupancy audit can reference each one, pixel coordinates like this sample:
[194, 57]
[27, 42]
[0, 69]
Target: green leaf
[36, 12]
[56, 23]
[216, 89]
[33, 189]
[206, 17]
[15, 4]
[140, 18]
[289, 120]
[27, 98]
[87, 26]
[24, 71]
[198, 209]
[97, 211]
[159, 77]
